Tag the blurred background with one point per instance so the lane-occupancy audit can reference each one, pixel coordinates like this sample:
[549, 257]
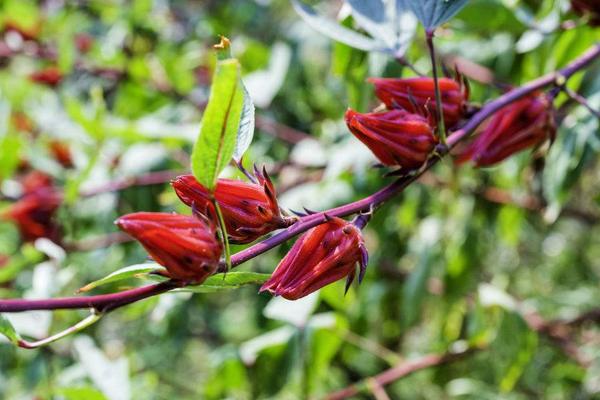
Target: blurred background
[105, 98]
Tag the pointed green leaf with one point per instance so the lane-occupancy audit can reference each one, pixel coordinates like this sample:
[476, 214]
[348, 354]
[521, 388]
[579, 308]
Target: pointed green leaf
[215, 145]
[230, 280]
[123, 273]
[246, 127]
[433, 13]
[336, 31]
[7, 330]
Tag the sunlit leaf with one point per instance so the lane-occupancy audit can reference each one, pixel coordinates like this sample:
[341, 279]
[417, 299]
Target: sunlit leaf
[220, 124]
[8, 330]
[334, 30]
[246, 128]
[228, 281]
[433, 13]
[124, 273]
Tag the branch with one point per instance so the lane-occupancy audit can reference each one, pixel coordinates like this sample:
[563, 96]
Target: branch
[554, 330]
[402, 370]
[112, 301]
[152, 178]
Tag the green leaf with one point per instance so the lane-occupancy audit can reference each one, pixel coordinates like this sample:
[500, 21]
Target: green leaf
[335, 31]
[123, 273]
[228, 281]
[246, 127]
[80, 393]
[424, 245]
[215, 145]
[433, 13]
[388, 23]
[7, 330]
[10, 150]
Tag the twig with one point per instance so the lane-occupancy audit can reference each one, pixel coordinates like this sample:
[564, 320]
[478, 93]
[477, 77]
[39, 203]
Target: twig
[402, 370]
[112, 301]
[372, 347]
[441, 127]
[553, 330]
[581, 100]
[281, 131]
[152, 178]
[98, 242]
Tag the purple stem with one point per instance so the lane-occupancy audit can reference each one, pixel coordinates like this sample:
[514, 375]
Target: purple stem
[108, 302]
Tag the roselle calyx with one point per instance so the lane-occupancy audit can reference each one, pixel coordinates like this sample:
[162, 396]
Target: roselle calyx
[50, 76]
[417, 95]
[34, 214]
[324, 254]
[526, 123]
[61, 153]
[250, 210]
[187, 246]
[396, 137]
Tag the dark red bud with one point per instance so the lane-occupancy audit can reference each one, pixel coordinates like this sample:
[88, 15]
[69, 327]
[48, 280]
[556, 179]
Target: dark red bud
[186, 246]
[417, 95]
[34, 181]
[34, 214]
[250, 210]
[50, 76]
[526, 123]
[324, 254]
[61, 153]
[396, 137]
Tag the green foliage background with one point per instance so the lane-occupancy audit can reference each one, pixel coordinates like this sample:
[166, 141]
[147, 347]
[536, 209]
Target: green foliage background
[449, 266]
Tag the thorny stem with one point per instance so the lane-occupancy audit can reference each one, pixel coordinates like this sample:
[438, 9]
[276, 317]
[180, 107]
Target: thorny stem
[108, 302]
[438, 94]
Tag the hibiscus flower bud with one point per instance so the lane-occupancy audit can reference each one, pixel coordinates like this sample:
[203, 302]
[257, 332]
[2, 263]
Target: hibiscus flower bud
[61, 153]
[187, 246]
[250, 210]
[396, 137]
[34, 214]
[50, 76]
[417, 95]
[34, 181]
[324, 254]
[526, 123]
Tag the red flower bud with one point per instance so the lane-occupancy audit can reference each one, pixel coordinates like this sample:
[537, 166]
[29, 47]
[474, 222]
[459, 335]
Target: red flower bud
[34, 214]
[324, 254]
[50, 76]
[396, 137]
[61, 153]
[528, 122]
[84, 42]
[186, 246]
[250, 210]
[34, 181]
[417, 95]
[590, 8]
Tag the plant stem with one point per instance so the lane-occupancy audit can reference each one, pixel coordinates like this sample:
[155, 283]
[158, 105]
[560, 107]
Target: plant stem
[111, 301]
[223, 232]
[438, 94]
[581, 100]
[89, 320]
